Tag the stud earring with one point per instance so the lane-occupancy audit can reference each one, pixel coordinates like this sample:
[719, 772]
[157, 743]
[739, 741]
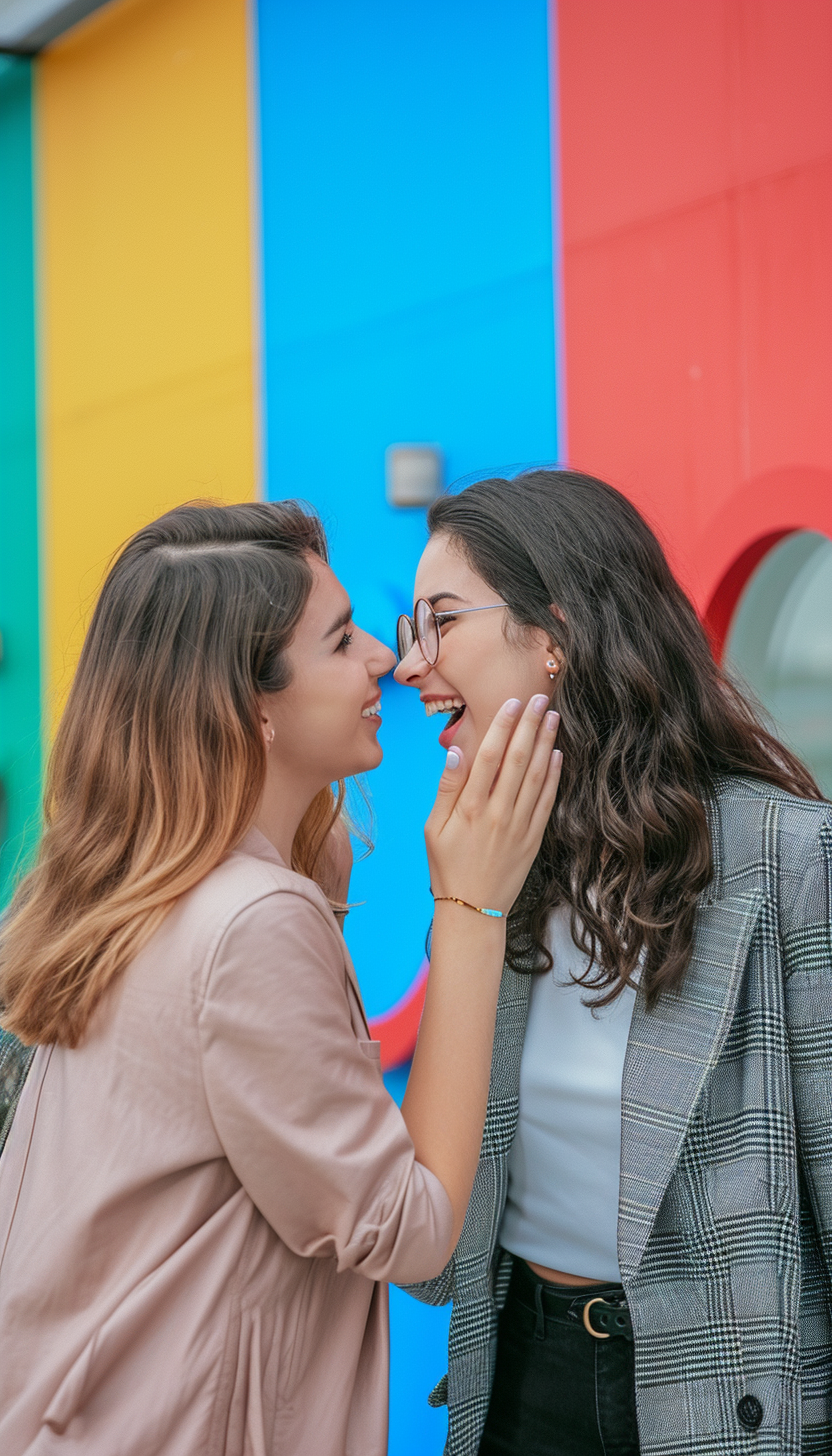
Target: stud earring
[552, 666]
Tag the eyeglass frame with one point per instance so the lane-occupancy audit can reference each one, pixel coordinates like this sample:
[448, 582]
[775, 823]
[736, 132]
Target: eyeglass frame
[438, 619]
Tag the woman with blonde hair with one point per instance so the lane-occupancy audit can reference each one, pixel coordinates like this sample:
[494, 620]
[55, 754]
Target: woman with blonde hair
[205, 1180]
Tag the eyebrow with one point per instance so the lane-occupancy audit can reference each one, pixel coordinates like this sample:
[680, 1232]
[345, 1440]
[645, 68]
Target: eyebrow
[340, 622]
[444, 597]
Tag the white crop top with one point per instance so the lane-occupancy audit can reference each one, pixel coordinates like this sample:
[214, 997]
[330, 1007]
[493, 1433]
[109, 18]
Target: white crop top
[562, 1204]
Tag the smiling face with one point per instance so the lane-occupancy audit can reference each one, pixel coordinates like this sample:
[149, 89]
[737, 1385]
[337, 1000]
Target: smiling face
[480, 665]
[326, 721]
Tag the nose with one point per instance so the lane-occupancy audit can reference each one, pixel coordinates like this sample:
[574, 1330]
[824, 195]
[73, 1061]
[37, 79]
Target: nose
[413, 669]
[380, 659]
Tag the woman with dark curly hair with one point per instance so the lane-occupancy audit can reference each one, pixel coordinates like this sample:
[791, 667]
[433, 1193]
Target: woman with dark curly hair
[646, 1260]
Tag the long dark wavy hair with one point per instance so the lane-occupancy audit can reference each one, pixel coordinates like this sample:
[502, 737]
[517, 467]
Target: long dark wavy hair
[649, 722]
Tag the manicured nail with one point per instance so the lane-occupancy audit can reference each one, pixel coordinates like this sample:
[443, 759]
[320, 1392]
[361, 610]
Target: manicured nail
[539, 703]
[452, 761]
[512, 707]
[557, 755]
[552, 720]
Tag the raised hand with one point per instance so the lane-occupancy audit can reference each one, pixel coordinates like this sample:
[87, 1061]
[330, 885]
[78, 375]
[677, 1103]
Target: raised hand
[482, 836]
[485, 827]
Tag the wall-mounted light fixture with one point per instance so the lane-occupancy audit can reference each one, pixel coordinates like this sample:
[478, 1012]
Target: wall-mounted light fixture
[414, 474]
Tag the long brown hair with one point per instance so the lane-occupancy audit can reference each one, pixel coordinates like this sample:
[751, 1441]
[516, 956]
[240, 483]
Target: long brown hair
[649, 722]
[159, 761]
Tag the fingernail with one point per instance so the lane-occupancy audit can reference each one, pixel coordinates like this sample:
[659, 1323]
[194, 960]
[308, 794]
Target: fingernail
[452, 761]
[512, 707]
[557, 755]
[552, 720]
[539, 703]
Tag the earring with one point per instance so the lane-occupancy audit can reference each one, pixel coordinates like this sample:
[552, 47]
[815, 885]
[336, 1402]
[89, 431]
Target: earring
[552, 666]
[270, 739]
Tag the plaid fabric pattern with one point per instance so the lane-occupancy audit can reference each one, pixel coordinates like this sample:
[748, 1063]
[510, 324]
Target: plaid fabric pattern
[725, 1211]
[15, 1061]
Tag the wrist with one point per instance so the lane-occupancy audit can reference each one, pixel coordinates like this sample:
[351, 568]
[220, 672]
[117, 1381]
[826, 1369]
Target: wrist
[487, 910]
[450, 913]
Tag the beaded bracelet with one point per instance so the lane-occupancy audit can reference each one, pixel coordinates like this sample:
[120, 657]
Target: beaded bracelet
[480, 909]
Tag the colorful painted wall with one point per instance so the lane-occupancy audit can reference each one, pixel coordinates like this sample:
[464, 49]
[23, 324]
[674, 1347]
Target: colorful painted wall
[126, 145]
[246, 247]
[406, 296]
[697, 221]
[145, 270]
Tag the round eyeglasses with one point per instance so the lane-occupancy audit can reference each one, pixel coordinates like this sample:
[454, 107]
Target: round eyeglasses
[423, 627]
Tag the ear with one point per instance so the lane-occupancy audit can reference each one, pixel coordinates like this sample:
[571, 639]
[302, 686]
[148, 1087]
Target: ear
[554, 655]
[266, 727]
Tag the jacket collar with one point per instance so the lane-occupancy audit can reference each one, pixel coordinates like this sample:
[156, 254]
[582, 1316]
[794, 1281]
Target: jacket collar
[713, 814]
[256, 844]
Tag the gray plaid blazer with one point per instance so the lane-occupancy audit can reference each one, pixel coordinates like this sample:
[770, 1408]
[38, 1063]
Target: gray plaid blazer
[725, 1211]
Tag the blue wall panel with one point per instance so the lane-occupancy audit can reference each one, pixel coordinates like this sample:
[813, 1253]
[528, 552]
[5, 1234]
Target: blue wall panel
[407, 296]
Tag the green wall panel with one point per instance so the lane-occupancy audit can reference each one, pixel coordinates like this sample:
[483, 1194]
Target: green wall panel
[20, 693]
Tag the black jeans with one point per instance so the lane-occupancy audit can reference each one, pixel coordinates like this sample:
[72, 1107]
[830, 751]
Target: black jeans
[559, 1391]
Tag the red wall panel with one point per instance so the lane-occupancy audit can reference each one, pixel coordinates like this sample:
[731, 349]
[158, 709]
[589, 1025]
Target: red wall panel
[696, 172]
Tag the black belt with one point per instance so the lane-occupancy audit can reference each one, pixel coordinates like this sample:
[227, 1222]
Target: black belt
[603, 1319]
[601, 1309]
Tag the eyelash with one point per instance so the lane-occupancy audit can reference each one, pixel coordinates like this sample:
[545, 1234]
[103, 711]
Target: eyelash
[345, 642]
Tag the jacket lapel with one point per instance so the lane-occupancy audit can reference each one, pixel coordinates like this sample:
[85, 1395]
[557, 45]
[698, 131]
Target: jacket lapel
[670, 1053]
[354, 996]
[255, 843]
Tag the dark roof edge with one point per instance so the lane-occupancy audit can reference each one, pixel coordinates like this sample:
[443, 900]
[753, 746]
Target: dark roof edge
[63, 18]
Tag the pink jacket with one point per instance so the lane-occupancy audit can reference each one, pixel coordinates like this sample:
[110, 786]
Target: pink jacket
[197, 1203]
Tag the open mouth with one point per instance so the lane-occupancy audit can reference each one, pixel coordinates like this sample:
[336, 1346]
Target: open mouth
[374, 710]
[455, 708]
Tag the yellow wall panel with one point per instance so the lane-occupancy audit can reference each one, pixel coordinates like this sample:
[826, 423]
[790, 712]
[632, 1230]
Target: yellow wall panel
[146, 285]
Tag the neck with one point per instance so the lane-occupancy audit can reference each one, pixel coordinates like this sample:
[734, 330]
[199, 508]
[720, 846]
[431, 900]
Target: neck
[282, 807]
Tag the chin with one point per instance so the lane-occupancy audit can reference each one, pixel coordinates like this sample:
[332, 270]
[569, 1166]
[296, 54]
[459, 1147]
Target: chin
[364, 762]
[468, 739]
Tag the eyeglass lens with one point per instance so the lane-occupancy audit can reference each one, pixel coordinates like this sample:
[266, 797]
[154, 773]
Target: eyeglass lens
[427, 630]
[405, 637]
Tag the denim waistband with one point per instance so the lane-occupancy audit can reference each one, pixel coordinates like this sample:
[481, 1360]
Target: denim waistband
[563, 1302]
[561, 1295]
